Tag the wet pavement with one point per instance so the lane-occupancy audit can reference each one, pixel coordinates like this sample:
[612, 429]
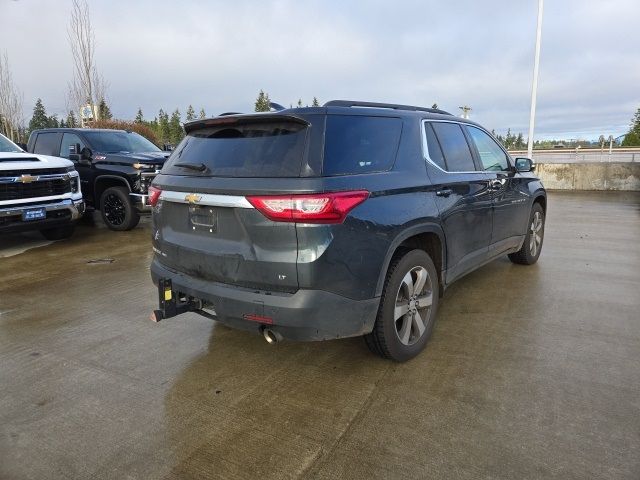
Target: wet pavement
[532, 372]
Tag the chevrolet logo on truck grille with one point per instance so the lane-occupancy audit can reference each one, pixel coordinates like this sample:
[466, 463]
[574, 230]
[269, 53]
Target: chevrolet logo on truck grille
[27, 179]
[192, 198]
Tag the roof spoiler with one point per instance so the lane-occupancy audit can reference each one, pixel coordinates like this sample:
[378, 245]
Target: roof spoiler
[243, 119]
[393, 106]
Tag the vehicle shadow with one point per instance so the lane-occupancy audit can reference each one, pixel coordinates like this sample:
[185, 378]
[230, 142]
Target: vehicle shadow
[246, 409]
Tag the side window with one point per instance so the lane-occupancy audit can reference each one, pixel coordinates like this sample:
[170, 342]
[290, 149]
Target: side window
[457, 155]
[435, 152]
[69, 139]
[492, 156]
[47, 144]
[360, 144]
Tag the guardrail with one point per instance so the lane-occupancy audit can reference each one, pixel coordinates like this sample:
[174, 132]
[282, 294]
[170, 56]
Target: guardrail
[582, 155]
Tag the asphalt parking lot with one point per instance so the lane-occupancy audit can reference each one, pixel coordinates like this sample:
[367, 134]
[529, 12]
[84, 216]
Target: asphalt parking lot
[532, 372]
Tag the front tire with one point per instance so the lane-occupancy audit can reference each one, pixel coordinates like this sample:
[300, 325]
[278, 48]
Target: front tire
[532, 245]
[407, 308]
[58, 233]
[117, 210]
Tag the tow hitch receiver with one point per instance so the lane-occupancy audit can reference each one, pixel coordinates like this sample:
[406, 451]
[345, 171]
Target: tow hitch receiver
[172, 303]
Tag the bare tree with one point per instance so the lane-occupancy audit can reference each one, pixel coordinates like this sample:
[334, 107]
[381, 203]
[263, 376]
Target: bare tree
[87, 85]
[11, 100]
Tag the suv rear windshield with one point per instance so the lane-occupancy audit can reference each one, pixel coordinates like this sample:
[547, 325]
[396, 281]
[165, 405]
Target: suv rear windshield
[360, 144]
[256, 149]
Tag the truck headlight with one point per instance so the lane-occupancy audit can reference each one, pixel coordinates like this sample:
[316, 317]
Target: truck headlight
[75, 184]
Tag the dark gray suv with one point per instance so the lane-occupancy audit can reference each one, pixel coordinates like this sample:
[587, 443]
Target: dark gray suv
[336, 221]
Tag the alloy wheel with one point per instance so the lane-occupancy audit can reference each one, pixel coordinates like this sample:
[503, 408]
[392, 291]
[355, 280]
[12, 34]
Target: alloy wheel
[535, 234]
[413, 305]
[114, 209]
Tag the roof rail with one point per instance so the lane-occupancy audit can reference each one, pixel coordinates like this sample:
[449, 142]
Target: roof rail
[353, 103]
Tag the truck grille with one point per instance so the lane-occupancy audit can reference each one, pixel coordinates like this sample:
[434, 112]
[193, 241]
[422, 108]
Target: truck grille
[33, 171]
[38, 188]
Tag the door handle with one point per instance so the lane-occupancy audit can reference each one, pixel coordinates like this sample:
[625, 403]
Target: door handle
[445, 192]
[496, 183]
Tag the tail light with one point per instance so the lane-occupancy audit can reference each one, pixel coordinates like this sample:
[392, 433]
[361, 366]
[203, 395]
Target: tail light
[154, 195]
[309, 208]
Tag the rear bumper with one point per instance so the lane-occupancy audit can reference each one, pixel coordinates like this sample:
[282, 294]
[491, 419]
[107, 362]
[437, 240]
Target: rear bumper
[59, 213]
[305, 315]
[140, 202]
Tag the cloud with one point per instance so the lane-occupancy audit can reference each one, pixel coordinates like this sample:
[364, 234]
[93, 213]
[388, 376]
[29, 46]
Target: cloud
[218, 55]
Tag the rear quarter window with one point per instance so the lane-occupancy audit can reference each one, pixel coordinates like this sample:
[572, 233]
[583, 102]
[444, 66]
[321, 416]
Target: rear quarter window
[360, 144]
[47, 144]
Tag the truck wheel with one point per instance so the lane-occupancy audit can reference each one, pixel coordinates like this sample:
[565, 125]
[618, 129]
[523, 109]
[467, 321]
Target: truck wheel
[530, 250]
[407, 308]
[58, 233]
[117, 210]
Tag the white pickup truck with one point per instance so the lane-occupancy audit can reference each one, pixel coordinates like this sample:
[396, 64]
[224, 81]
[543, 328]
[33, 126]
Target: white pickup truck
[38, 192]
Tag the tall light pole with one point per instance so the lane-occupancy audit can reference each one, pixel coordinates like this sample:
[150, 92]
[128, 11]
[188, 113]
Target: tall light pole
[534, 86]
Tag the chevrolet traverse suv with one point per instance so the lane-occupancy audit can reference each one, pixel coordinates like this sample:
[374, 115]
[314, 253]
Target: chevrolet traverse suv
[336, 221]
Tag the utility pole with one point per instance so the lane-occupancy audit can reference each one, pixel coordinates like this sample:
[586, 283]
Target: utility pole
[465, 111]
[534, 86]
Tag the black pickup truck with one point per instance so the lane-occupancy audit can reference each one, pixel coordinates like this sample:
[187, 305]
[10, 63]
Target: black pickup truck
[116, 168]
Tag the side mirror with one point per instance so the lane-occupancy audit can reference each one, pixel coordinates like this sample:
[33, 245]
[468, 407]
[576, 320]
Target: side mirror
[85, 156]
[524, 164]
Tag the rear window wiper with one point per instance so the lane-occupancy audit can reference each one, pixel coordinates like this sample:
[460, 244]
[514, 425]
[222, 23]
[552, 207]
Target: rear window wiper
[199, 167]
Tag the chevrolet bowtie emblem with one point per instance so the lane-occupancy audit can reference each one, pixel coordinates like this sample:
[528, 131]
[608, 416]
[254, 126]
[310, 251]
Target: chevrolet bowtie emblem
[27, 178]
[192, 198]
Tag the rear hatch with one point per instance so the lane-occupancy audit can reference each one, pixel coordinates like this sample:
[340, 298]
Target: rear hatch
[203, 223]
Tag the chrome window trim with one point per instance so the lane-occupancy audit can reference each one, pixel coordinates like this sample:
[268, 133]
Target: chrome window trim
[425, 146]
[209, 199]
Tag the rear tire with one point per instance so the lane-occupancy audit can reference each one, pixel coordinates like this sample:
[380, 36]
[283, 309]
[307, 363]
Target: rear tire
[58, 233]
[117, 210]
[532, 245]
[407, 308]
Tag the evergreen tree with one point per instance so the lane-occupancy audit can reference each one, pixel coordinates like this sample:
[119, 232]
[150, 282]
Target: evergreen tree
[262, 102]
[632, 138]
[72, 122]
[139, 117]
[39, 118]
[519, 142]
[191, 114]
[104, 112]
[299, 105]
[53, 122]
[509, 140]
[202, 114]
[175, 128]
[163, 127]
[62, 124]
[315, 103]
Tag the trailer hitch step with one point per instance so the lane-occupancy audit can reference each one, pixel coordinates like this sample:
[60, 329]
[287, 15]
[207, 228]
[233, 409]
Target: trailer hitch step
[171, 303]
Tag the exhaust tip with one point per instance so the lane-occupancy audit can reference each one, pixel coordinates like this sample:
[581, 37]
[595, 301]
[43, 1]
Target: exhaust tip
[272, 337]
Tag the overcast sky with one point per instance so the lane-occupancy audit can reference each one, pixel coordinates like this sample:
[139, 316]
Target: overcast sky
[219, 54]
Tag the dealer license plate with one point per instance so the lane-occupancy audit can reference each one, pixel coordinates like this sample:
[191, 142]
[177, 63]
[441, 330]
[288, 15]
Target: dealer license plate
[34, 214]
